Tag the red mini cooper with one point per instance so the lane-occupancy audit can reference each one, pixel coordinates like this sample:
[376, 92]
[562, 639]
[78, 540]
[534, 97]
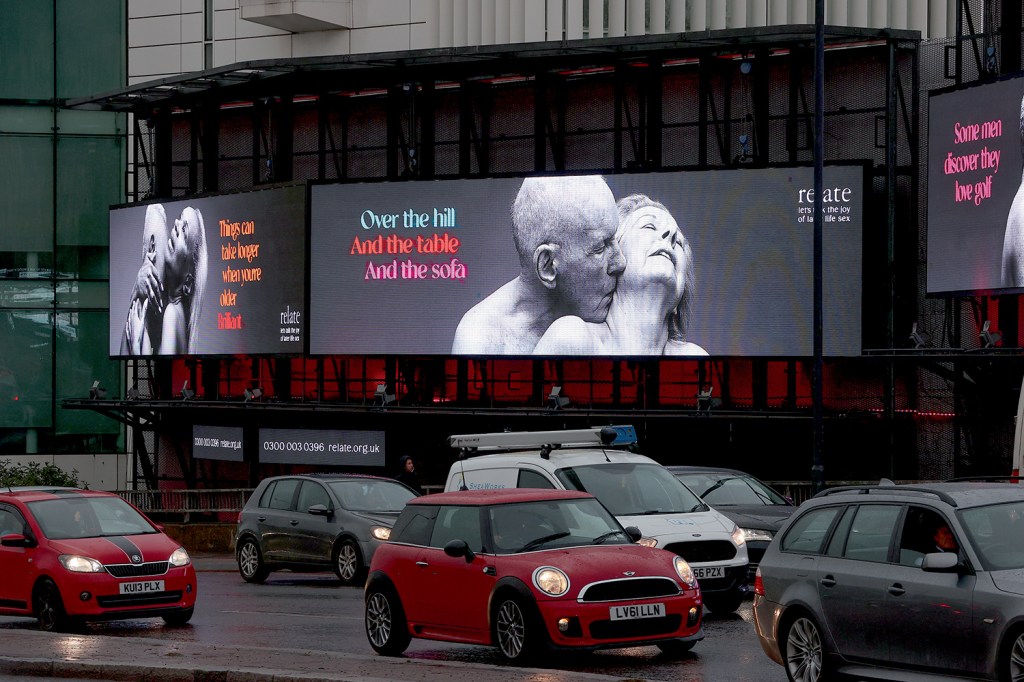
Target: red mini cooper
[69, 555]
[526, 569]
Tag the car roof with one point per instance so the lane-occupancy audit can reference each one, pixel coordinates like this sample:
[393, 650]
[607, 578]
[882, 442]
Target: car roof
[688, 469]
[558, 459]
[325, 476]
[42, 492]
[494, 496]
[959, 494]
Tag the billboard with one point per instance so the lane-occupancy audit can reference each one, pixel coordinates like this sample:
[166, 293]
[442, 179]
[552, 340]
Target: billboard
[322, 447]
[692, 263]
[975, 202]
[209, 276]
[217, 442]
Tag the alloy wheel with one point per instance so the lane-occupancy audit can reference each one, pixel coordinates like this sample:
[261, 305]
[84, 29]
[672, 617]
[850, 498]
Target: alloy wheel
[378, 620]
[348, 562]
[249, 559]
[511, 627]
[804, 651]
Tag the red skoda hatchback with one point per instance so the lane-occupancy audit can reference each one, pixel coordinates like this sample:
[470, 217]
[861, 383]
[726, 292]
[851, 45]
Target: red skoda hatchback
[525, 570]
[69, 555]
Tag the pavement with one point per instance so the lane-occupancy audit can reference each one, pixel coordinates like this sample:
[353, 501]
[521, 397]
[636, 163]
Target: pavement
[142, 659]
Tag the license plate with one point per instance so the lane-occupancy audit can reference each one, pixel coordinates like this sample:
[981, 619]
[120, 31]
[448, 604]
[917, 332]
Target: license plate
[636, 611]
[142, 587]
[709, 572]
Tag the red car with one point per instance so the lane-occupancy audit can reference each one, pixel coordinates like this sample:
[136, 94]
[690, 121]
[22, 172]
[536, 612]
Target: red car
[69, 555]
[525, 570]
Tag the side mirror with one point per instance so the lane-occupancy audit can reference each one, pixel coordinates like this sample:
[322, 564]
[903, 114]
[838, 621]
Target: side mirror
[941, 562]
[634, 533]
[319, 510]
[17, 540]
[457, 548]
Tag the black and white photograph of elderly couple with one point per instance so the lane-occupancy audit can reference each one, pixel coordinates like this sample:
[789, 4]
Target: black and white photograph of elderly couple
[596, 277]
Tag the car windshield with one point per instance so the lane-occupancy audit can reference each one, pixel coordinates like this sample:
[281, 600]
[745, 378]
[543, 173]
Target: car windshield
[88, 517]
[371, 495]
[632, 489]
[549, 524]
[995, 531]
[726, 489]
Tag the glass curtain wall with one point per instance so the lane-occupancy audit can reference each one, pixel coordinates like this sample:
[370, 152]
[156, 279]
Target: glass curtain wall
[60, 170]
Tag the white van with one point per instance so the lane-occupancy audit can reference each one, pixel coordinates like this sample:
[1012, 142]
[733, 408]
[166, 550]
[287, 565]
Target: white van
[636, 490]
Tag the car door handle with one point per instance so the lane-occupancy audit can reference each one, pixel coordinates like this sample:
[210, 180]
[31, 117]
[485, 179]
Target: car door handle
[422, 564]
[294, 522]
[828, 581]
[261, 519]
[896, 590]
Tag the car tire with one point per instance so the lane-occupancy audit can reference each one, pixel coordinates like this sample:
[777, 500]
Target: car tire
[348, 565]
[515, 631]
[723, 603]
[250, 562]
[177, 620]
[803, 651]
[49, 608]
[386, 628]
[675, 647]
[1011, 667]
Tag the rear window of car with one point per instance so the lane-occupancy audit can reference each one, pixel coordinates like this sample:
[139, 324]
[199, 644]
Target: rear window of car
[808, 532]
[280, 494]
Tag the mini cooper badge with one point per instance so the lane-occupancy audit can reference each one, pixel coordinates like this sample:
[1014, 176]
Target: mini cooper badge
[629, 574]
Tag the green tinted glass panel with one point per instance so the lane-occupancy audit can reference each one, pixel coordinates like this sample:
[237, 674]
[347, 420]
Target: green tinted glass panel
[90, 122]
[85, 262]
[89, 172]
[81, 359]
[86, 65]
[26, 193]
[26, 49]
[26, 119]
[26, 368]
[76, 294]
[26, 294]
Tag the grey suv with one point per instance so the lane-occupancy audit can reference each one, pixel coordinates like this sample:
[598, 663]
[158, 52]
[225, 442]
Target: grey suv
[898, 582]
[317, 522]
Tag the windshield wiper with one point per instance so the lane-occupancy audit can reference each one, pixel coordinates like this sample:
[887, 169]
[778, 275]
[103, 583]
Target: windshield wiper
[540, 541]
[718, 484]
[601, 538]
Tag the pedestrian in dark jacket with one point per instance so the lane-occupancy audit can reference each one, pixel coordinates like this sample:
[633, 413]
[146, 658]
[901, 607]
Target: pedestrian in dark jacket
[407, 473]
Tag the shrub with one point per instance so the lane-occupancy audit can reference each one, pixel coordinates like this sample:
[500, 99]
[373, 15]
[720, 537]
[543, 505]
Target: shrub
[35, 473]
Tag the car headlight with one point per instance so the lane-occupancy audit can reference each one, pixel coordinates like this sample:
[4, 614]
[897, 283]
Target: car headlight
[684, 571]
[381, 532]
[550, 580]
[179, 557]
[738, 536]
[756, 534]
[647, 542]
[80, 564]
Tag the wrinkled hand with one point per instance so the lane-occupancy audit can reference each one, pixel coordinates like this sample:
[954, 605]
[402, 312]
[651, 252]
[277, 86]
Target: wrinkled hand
[135, 327]
[148, 286]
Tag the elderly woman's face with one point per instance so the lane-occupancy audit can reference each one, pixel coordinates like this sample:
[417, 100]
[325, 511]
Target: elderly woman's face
[179, 242]
[653, 246]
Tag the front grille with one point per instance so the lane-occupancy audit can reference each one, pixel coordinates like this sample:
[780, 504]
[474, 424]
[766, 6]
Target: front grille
[137, 570]
[629, 588]
[703, 551]
[644, 627]
[149, 599]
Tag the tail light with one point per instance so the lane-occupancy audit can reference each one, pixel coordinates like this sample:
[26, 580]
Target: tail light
[758, 583]
[239, 519]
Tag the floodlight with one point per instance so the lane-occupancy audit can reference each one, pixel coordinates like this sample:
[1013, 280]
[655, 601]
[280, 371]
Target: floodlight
[97, 392]
[704, 400]
[919, 338]
[133, 393]
[556, 400]
[989, 338]
[186, 392]
[381, 396]
[253, 394]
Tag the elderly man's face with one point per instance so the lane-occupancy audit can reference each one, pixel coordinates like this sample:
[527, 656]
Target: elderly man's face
[653, 247]
[592, 263]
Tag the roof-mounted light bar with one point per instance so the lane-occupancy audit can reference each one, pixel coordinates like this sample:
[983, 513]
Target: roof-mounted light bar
[519, 440]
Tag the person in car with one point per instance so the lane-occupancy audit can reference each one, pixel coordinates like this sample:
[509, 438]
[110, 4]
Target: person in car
[944, 540]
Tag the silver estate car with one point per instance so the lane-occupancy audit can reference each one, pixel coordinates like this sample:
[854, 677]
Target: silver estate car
[898, 582]
[317, 522]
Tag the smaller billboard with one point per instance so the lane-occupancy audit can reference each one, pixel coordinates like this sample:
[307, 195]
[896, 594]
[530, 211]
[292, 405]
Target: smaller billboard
[322, 447]
[217, 442]
[975, 193]
[216, 275]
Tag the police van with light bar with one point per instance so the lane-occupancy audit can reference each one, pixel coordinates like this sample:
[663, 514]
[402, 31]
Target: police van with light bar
[636, 490]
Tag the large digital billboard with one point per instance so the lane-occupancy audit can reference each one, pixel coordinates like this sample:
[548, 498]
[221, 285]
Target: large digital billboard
[210, 276]
[687, 263]
[975, 200]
